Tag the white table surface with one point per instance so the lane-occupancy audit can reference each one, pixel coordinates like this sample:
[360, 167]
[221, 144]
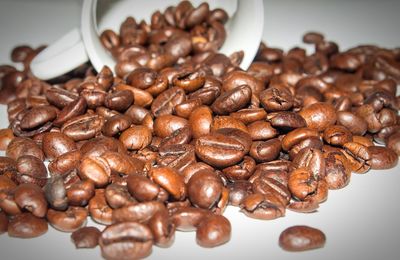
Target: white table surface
[360, 221]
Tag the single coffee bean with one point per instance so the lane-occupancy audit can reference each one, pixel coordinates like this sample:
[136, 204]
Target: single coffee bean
[200, 121]
[56, 194]
[265, 151]
[80, 193]
[358, 156]
[38, 116]
[6, 136]
[31, 170]
[119, 100]
[67, 221]
[337, 135]
[31, 198]
[232, 101]
[261, 130]
[83, 127]
[188, 218]
[56, 144]
[164, 103]
[141, 212]
[337, 169]
[249, 115]
[260, 206]
[393, 142]
[65, 163]
[73, 109]
[301, 238]
[26, 225]
[95, 169]
[99, 209]
[86, 237]
[116, 124]
[117, 196]
[241, 171]
[382, 157]
[162, 228]
[319, 116]
[126, 239]
[170, 180]
[356, 124]
[239, 190]
[274, 99]
[213, 231]
[136, 137]
[20, 146]
[296, 136]
[166, 125]
[302, 183]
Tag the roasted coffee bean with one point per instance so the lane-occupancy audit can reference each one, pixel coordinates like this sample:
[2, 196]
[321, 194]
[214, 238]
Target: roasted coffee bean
[241, 171]
[337, 135]
[80, 193]
[261, 130]
[239, 190]
[302, 183]
[393, 142]
[136, 137]
[296, 136]
[56, 144]
[141, 212]
[312, 142]
[213, 231]
[312, 159]
[123, 164]
[286, 120]
[274, 99]
[142, 188]
[319, 116]
[83, 127]
[265, 151]
[86, 237]
[126, 239]
[26, 225]
[95, 169]
[354, 123]
[56, 194]
[382, 157]
[97, 146]
[301, 238]
[358, 156]
[99, 209]
[176, 156]
[67, 221]
[119, 100]
[249, 115]
[232, 101]
[204, 189]
[219, 150]
[117, 196]
[200, 121]
[38, 116]
[20, 146]
[162, 228]
[31, 198]
[164, 103]
[166, 125]
[31, 170]
[73, 109]
[337, 170]
[7, 165]
[170, 180]
[65, 163]
[116, 124]
[260, 206]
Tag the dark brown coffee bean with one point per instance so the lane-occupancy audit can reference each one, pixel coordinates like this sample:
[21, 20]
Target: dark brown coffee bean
[123, 164]
[219, 150]
[358, 156]
[31, 170]
[116, 124]
[97, 146]
[382, 157]
[354, 123]
[117, 196]
[56, 144]
[213, 231]
[312, 159]
[313, 37]
[274, 99]
[142, 188]
[67, 221]
[337, 170]
[136, 137]
[319, 116]
[165, 102]
[241, 171]
[261, 130]
[239, 190]
[188, 218]
[312, 142]
[301, 238]
[83, 127]
[80, 193]
[86, 237]
[65, 163]
[286, 120]
[204, 189]
[31, 198]
[60, 97]
[26, 225]
[95, 169]
[170, 180]
[162, 228]
[98, 208]
[38, 116]
[73, 109]
[126, 239]
[141, 212]
[296, 136]
[393, 142]
[249, 115]
[260, 206]
[232, 101]
[20, 146]
[200, 121]
[337, 135]
[264, 151]
[302, 183]
[166, 125]
[119, 100]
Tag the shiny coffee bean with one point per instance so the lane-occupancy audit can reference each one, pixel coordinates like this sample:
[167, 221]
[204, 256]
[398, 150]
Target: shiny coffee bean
[20, 146]
[382, 157]
[117, 196]
[136, 137]
[265, 151]
[67, 221]
[56, 194]
[31, 198]
[170, 180]
[301, 238]
[80, 193]
[204, 189]
[319, 116]
[56, 144]
[26, 225]
[6, 136]
[31, 170]
[337, 135]
[260, 206]
[99, 209]
[126, 238]
[86, 237]
[95, 169]
[141, 212]
[213, 231]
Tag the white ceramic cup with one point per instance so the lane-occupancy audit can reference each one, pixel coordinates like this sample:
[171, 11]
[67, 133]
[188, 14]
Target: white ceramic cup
[244, 32]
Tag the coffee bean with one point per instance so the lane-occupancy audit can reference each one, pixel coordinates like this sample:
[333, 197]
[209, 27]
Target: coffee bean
[86, 237]
[67, 221]
[6, 136]
[127, 238]
[31, 198]
[319, 116]
[213, 231]
[99, 210]
[382, 157]
[26, 225]
[56, 144]
[301, 238]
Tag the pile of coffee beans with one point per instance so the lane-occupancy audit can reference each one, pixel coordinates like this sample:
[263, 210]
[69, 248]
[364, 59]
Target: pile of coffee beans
[180, 132]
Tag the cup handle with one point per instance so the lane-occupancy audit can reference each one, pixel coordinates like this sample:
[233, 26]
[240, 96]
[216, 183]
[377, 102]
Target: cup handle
[62, 56]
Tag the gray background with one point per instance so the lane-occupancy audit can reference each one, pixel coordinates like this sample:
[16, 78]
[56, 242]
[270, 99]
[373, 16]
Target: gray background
[360, 221]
